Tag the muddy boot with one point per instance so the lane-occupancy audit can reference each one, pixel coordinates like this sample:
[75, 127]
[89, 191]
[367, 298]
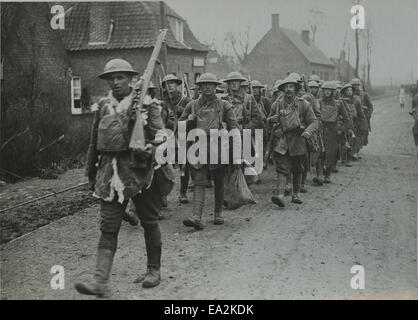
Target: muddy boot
[295, 199]
[131, 217]
[218, 218]
[297, 178]
[198, 204]
[99, 287]
[183, 199]
[152, 277]
[278, 199]
[152, 235]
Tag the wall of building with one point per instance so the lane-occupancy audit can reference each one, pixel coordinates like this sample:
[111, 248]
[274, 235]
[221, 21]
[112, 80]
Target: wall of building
[273, 57]
[35, 86]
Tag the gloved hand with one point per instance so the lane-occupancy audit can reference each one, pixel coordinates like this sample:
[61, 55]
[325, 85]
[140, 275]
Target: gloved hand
[306, 135]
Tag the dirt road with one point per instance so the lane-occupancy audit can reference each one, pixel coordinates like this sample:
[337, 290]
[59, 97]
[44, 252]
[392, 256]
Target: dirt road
[367, 217]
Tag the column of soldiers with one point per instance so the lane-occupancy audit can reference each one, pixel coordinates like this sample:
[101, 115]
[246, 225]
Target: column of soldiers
[307, 124]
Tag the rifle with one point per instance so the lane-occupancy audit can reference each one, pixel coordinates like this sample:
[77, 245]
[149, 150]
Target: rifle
[138, 135]
[186, 86]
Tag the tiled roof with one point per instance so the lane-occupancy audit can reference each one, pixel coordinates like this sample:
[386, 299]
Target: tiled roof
[136, 25]
[311, 51]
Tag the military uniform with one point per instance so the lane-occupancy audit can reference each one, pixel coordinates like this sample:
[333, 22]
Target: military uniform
[332, 111]
[292, 118]
[117, 182]
[208, 113]
[359, 123]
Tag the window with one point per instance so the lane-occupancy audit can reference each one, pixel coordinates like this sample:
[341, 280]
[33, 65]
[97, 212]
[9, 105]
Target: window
[76, 105]
[326, 76]
[176, 26]
[198, 62]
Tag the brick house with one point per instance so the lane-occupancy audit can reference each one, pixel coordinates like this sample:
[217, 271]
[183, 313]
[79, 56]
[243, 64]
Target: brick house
[35, 95]
[96, 32]
[284, 50]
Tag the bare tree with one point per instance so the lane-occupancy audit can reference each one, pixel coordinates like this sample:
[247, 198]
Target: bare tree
[240, 43]
[316, 21]
[357, 46]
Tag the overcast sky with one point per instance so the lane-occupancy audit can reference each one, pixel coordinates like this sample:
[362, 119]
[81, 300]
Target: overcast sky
[393, 25]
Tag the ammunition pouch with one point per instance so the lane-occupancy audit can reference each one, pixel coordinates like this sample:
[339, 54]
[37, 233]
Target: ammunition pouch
[112, 133]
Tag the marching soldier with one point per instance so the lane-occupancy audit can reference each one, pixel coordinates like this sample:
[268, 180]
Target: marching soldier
[294, 122]
[259, 98]
[366, 105]
[318, 156]
[206, 113]
[114, 181]
[358, 119]
[243, 104]
[331, 110]
[173, 107]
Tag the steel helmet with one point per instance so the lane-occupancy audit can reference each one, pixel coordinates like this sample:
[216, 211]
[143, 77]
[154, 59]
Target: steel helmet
[171, 77]
[314, 77]
[338, 84]
[287, 80]
[244, 83]
[297, 76]
[151, 85]
[208, 78]
[256, 84]
[117, 65]
[355, 81]
[346, 86]
[329, 85]
[234, 75]
[313, 84]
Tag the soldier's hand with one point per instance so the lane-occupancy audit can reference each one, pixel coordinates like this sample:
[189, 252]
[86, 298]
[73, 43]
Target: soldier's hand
[306, 135]
[143, 153]
[274, 119]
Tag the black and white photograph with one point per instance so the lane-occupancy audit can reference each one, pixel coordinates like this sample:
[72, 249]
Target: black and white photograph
[209, 150]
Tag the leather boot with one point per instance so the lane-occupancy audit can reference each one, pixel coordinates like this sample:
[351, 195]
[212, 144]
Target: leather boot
[218, 220]
[152, 277]
[297, 177]
[101, 277]
[278, 199]
[198, 204]
[153, 245]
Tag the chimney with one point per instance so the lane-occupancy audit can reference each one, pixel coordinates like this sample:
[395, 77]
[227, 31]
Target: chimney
[305, 37]
[275, 21]
[99, 23]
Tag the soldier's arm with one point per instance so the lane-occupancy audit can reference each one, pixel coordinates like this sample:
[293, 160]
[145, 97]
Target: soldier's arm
[273, 117]
[350, 120]
[360, 115]
[267, 105]
[312, 123]
[182, 106]
[154, 120]
[187, 110]
[92, 153]
[344, 116]
[256, 117]
[368, 103]
[229, 116]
